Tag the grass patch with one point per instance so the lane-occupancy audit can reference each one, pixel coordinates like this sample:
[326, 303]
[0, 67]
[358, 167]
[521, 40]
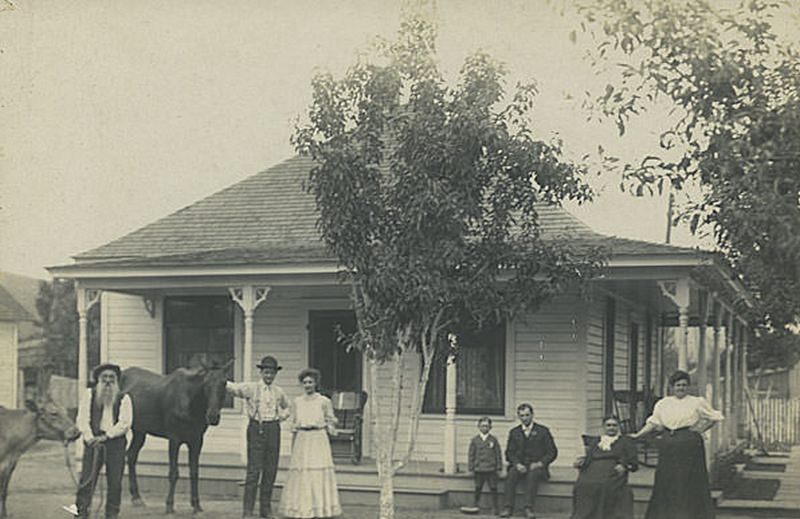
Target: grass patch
[753, 489]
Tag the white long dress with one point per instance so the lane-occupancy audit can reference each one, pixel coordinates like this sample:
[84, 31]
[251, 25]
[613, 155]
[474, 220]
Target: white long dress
[310, 489]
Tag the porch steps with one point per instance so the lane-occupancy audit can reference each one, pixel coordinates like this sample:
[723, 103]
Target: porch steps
[786, 503]
[419, 486]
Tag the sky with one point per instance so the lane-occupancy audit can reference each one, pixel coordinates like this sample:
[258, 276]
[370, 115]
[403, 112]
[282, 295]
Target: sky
[114, 114]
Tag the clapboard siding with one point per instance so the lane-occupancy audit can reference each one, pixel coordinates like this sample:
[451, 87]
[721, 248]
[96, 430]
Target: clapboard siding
[130, 336]
[594, 363]
[554, 361]
[8, 364]
[548, 360]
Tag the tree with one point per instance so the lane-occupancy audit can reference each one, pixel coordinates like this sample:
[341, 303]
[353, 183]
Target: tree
[734, 89]
[56, 305]
[427, 195]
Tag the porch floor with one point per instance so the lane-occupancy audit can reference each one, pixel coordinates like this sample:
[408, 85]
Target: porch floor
[419, 485]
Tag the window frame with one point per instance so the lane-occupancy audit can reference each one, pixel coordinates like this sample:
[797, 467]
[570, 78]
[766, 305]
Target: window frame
[166, 325]
[505, 370]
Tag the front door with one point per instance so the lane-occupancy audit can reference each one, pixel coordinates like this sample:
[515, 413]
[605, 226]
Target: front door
[327, 333]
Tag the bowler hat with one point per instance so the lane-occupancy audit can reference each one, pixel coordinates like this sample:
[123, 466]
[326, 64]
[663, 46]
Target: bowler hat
[107, 366]
[269, 362]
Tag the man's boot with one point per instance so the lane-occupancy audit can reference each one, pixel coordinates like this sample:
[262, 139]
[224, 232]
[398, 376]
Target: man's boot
[495, 504]
[506, 512]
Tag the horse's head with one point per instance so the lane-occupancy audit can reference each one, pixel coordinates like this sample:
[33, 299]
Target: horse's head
[52, 422]
[214, 380]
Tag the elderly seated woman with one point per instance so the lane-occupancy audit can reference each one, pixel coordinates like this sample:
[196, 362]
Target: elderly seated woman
[602, 491]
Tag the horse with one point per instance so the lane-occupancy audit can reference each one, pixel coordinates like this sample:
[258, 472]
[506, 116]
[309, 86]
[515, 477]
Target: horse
[20, 429]
[179, 407]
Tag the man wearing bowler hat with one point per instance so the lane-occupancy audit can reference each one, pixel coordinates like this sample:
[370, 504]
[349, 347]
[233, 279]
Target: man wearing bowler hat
[267, 406]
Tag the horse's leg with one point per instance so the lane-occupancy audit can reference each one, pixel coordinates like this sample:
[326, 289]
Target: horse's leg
[194, 471]
[5, 476]
[174, 446]
[137, 442]
[3, 493]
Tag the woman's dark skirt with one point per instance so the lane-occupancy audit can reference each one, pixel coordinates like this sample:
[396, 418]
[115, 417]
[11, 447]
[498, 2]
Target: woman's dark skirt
[601, 493]
[681, 489]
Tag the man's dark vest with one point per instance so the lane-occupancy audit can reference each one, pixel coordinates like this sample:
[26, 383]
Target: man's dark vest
[95, 415]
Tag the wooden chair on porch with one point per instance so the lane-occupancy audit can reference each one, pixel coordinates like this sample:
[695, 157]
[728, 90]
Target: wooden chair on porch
[348, 406]
[632, 408]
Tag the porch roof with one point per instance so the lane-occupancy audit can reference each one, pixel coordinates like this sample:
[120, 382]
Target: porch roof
[270, 219]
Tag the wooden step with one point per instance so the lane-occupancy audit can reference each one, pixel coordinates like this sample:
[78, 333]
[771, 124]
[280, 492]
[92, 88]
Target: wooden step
[751, 508]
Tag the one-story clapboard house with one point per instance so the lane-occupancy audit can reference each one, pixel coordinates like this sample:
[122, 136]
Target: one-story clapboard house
[243, 273]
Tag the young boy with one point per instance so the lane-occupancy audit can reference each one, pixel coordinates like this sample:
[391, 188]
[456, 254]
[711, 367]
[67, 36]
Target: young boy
[485, 461]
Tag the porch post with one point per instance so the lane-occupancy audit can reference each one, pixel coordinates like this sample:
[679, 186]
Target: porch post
[450, 465]
[680, 296]
[248, 298]
[729, 337]
[739, 382]
[743, 389]
[715, 400]
[85, 300]
[702, 368]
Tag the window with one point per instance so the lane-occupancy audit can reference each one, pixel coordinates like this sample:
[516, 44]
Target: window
[198, 329]
[481, 368]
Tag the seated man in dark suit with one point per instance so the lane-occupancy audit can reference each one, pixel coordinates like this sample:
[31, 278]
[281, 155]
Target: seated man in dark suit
[530, 451]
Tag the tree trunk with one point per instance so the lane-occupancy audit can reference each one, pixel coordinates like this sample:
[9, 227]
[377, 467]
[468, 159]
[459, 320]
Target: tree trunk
[386, 480]
[382, 442]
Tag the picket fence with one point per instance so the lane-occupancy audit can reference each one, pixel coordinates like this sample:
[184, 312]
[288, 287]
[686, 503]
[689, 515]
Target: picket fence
[778, 419]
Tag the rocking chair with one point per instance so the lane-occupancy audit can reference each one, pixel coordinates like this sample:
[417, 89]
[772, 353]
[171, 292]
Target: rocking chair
[348, 406]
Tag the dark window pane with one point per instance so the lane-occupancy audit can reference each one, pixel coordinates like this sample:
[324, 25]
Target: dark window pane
[198, 330]
[480, 384]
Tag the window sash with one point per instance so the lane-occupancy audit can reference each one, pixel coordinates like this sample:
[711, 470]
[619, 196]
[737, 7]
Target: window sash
[480, 374]
[198, 329]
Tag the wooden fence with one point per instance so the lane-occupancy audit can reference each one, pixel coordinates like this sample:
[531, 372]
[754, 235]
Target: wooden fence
[778, 420]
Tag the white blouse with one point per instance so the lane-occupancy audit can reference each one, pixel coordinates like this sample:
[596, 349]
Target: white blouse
[314, 411]
[674, 413]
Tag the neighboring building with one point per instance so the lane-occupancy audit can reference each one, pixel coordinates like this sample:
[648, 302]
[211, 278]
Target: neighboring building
[249, 259]
[776, 382]
[12, 317]
[31, 354]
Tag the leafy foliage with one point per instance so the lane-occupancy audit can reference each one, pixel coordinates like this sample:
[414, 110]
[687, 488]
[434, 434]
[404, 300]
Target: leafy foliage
[428, 193]
[776, 349]
[56, 305]
[734, 87]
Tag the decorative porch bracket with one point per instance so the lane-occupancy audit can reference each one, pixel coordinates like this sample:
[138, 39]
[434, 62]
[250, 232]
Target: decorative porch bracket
[248, 298]
[85, 300]
[679, 292]
[149, 302]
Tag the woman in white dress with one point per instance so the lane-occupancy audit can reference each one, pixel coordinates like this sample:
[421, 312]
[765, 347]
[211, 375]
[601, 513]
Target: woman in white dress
[310, 490]
[681, 487]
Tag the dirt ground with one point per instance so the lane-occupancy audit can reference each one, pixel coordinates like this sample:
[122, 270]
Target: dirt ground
[41, 485]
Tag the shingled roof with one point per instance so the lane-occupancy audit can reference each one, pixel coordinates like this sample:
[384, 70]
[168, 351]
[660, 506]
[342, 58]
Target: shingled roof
[10, 309]
[270, 218]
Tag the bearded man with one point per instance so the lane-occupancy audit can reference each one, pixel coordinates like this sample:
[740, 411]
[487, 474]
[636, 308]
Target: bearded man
[104, 418]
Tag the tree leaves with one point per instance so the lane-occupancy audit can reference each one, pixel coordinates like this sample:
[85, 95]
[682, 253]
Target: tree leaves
[736, 87]
[428, 193]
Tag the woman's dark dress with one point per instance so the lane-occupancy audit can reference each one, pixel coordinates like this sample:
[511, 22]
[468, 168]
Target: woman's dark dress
[600, 492]
[681, 486]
